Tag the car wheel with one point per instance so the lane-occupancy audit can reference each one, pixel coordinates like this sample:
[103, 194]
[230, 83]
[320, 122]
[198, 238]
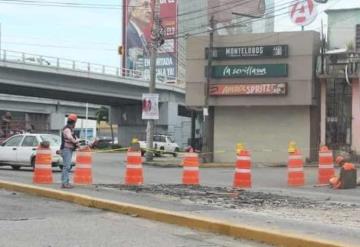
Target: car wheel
[175, 152]
[16, 167]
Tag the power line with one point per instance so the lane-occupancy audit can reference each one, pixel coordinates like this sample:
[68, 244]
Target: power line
[250, 21]
[236, 23]
[64, 4]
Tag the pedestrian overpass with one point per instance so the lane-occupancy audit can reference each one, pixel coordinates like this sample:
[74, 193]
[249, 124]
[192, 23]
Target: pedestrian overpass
[121, 89]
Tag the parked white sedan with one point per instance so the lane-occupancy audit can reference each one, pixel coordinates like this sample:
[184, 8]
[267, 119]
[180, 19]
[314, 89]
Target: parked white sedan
[20, 150]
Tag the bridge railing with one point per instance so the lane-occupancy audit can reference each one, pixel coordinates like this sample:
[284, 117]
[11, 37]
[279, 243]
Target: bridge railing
[68, 64]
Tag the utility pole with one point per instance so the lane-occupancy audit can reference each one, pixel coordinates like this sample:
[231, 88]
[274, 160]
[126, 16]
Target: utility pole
[207, 129]
[156, 37]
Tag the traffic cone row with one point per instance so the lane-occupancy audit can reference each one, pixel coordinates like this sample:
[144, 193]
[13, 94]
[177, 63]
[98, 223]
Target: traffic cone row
[134, 174]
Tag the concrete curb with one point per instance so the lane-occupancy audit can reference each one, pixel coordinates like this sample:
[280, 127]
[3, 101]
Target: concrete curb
[185, 220]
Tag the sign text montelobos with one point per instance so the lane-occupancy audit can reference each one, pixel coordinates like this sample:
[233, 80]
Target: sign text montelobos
[257, 51]
[248, 71]
[252, 89]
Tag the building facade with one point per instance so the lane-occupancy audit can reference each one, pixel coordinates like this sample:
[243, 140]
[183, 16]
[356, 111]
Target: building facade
[339, 78]
[342, 26]
[262, 93]
[194, 18]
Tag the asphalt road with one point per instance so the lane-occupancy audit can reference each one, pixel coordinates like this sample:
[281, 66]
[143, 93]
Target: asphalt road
[109, 168]
[268, 199]
[36, 221]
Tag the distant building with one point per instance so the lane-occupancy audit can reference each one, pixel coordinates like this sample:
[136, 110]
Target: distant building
[342, 25]
[194, 16]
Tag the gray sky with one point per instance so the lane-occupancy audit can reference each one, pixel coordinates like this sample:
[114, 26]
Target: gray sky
[91, 34]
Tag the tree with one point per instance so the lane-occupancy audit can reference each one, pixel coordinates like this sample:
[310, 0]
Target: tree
[102, 114]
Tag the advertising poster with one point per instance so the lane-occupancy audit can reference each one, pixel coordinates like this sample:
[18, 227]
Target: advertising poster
[150, 106]
[138, 15]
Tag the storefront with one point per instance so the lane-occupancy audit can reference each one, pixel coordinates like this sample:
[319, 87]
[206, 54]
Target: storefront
[262, 92]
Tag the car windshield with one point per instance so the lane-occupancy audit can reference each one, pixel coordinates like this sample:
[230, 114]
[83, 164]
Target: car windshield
[54, 140]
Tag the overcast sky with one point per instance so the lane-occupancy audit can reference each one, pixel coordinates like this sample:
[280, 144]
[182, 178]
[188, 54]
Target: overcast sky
[90, 34]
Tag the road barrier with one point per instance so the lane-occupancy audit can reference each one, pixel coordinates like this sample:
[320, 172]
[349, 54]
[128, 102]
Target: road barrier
[242, 177]
[83, 168]
[296, 169]
[326, 165]
[43, 165]
[191, 165]
[134, 170]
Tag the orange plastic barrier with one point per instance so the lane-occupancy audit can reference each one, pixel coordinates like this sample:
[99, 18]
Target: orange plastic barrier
[242, 177]
[295, 169]
[326, 165]
[134, 170]
[191, 169]
[83, 168]
[43, 168]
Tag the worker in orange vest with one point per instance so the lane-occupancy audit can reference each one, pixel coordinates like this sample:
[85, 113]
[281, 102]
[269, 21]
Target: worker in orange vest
[347, 178]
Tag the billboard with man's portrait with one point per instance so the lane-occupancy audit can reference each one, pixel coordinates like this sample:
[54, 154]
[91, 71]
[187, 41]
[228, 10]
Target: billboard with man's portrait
[137, 24]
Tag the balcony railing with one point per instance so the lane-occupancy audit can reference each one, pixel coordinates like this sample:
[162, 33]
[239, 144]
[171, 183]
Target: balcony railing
[79, 66]
[340, 64]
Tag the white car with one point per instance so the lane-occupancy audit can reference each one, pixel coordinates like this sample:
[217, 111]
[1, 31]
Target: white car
[163, 143]
[20, 150]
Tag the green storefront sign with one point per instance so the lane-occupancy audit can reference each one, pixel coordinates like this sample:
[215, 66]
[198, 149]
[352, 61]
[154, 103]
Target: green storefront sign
[249, 71]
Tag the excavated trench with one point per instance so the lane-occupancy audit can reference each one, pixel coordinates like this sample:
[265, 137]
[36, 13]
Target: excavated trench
[231, 198]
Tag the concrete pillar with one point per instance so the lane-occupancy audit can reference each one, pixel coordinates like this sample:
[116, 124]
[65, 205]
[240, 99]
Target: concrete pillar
[323, 111]
[355, 133]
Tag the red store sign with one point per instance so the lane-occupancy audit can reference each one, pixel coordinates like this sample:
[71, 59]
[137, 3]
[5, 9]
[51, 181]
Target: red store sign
[248, 89]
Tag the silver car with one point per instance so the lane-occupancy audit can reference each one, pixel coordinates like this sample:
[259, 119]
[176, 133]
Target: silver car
[20, 150]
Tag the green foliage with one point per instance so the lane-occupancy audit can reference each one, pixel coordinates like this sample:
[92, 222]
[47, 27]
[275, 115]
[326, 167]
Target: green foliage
[102, 115]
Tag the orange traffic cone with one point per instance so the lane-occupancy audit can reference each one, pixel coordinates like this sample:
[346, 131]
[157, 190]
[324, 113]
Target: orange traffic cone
[242, 177]
[134, 170]
[83, 171]
[191, 169]
[295, 169]
[43, 168]
[326, 165]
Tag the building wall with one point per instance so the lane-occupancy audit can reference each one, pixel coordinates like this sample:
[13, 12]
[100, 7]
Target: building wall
[266, 132]
[341, 27]
[303, 48]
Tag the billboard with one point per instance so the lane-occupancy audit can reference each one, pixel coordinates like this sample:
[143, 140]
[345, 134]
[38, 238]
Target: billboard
[137, 24]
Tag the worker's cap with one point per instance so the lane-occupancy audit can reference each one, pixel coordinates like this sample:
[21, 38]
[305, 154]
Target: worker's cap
[339, 159]
[72, 117]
